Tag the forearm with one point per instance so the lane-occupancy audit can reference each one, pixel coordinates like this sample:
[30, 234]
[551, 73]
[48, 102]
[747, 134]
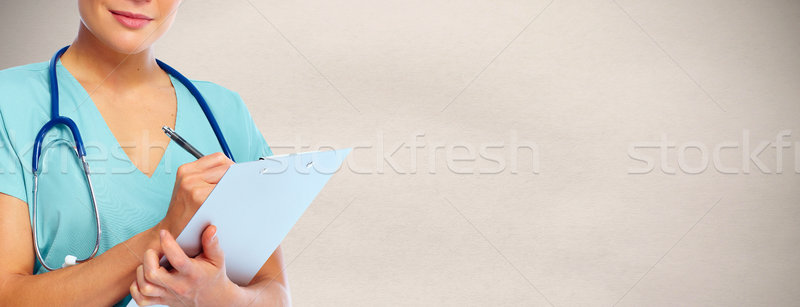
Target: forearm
[101, 281]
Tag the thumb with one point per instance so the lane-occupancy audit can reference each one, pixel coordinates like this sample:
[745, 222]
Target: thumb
[211, 248]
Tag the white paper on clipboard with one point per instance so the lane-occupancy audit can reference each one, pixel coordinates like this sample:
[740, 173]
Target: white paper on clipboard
[254, 206]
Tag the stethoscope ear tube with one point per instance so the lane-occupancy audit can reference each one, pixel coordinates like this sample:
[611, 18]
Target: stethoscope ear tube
[69, 259]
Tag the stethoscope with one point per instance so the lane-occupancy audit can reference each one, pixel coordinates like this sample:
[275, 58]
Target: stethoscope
[80, 151]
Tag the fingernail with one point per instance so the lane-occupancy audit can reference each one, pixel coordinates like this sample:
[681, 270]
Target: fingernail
[163, 233]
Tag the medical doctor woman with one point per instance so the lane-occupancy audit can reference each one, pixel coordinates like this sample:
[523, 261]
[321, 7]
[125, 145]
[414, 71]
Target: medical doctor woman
[117, 96]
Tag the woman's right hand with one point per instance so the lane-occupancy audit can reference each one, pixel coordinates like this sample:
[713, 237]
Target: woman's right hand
[193, 183]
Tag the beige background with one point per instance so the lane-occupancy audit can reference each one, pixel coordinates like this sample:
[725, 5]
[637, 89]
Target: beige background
[581, 80]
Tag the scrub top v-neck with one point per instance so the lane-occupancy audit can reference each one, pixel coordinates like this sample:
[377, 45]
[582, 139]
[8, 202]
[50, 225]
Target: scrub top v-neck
[128, 200]
[103, 131]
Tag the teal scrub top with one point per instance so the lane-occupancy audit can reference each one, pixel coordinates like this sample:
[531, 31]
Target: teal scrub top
[129, 202]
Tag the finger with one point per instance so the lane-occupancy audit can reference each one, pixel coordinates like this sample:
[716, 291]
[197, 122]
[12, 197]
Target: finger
[150, 260]
[177, 258]
[202, 164]
[211, 160]
[211, 248]
[154, 273]
[143, 300]
[214, 174]
[145, 287]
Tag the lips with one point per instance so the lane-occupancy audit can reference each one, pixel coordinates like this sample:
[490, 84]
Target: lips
[131, 20]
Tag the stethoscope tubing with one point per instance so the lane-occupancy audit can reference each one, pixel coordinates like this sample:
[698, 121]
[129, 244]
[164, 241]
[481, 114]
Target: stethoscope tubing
[56, 119]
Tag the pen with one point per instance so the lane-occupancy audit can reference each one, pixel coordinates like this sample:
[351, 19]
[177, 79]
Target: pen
[183, 143]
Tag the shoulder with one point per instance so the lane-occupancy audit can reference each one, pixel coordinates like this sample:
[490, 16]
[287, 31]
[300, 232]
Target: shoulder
[217, 95]
[30, 70]
[22, 84]
[22, 78]
[224, 103]
[246, 141]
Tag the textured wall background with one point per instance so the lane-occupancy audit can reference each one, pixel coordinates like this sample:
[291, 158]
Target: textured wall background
[590, 85]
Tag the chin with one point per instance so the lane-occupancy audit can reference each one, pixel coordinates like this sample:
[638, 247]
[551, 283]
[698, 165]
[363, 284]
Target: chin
[127, 43]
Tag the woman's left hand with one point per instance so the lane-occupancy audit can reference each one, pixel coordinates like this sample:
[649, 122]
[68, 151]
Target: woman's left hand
[199, 281]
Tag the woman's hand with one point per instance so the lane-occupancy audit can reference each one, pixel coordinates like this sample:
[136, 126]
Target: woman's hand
[193, 183]
[199, 281]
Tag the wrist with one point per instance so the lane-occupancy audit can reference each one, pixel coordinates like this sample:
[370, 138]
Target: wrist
[237, 296]
[163, 224]
[153, 238]
[265, 293]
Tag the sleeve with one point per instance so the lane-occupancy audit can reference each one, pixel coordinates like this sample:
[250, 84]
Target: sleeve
[257, 145]
[12, 181]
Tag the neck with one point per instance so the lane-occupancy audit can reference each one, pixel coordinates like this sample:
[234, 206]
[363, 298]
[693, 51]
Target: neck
[91, 60]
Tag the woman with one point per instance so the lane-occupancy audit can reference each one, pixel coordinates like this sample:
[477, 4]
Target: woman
[110, 84]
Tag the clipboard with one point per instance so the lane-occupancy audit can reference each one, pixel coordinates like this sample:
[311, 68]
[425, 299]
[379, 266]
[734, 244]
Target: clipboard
[254, 206]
